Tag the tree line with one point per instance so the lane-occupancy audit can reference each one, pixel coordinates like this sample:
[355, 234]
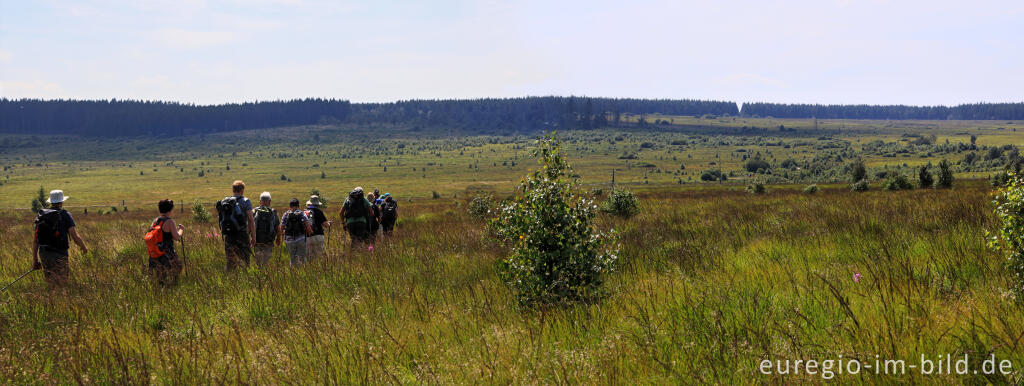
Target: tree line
[975, 111]
[475, 116]
[136, 118]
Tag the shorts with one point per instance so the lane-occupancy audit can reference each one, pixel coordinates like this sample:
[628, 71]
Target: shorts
[357, 230]
[297, 251]
[315, 246]
[237, 251]
[55, 265]
[262, 253]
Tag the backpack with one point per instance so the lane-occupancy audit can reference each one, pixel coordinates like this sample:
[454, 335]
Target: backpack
[48, 229]
[293, 225]
[230, 216]
[389, 210]
[356, 200]
[264, 218]
[155, 239]
[318, 226]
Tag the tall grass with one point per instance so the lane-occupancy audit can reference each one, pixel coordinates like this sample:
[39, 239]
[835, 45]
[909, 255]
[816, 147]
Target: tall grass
[710, 282]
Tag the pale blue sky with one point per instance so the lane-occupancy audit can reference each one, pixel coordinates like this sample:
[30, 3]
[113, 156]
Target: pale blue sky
[823, 51]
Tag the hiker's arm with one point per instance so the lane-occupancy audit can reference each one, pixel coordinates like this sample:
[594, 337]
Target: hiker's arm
[344, 224]
[252, 228]
[280, 231]
[78, 240]
[176, 230]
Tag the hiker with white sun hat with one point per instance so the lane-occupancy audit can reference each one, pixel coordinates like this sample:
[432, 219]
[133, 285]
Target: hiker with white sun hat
[50, 241]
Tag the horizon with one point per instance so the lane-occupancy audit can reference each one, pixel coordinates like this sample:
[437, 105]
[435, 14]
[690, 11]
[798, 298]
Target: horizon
[214, 52]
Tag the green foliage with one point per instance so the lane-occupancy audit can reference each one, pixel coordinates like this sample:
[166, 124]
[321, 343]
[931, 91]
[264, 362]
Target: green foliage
[557, 254]
[811, 189]
[755, 188]
[1009, 239]
[480, 205]
[434, 195]
[754, 164]
[860, 186]
[924, 177]
[713, 175]
[39, 202]
[323, 200]
[897, 181]
[999, 179]
[622, 203]
[858, 171]
[945, 175]
[199, 212]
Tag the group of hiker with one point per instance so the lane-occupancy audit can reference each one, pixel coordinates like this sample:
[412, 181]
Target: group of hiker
[247, 231]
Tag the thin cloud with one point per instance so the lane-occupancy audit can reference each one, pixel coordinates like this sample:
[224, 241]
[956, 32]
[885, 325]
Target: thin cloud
[180, 38]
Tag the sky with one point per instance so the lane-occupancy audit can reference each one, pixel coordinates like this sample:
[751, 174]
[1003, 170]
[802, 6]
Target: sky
[821, 51]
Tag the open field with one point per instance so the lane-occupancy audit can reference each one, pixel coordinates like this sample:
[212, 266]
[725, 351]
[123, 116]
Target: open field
[711, 280]
[411, 164]
[710, 283]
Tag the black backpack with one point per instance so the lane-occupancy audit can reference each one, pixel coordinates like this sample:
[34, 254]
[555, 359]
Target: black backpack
[389, 210]
[293, 225]
[230, 216]
[318, 225]
[48, 229]
[356, 206]
[264, 217]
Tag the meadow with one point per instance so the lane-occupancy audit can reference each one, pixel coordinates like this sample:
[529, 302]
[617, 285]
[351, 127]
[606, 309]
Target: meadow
[711, 281]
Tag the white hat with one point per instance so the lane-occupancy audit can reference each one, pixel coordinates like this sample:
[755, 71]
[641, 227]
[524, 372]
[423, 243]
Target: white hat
[264, 196]
[56, 197]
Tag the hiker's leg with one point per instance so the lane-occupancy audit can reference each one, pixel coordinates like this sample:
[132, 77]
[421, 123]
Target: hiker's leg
[316, 246]
[174, 267]
[230, 254]
[262, 254]
[55, 267]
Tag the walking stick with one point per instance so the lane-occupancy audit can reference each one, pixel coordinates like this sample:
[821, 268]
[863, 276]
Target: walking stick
[16, 280]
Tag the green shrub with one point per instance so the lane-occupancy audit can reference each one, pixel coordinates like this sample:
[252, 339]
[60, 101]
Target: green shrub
[1009, 239]
[811, 189]
[39, 202]
[924, 177]
[755, 188]
[860, 186]
[435, 195]
[199, 212]
[480, 205]
[897, 181]
[945, 179]
[557, 256]
[622, 203]
[1000, 179]
[858, 171]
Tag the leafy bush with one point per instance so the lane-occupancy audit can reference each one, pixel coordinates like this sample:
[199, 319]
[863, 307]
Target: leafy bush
[945, 175]
[755, 188]
[860, 186]
[480, 205]
[754, 164]
[199, 212]
[897, 182]
[858, 171]
[557, 254]
[435, 195]
[1000, 179]
[1009, 240]
[712, 175]
[621, 203]
[811, 189]
[39, 202]
[924, 177]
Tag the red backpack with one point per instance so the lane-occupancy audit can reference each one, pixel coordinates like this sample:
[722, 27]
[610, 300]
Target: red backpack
[155, 239]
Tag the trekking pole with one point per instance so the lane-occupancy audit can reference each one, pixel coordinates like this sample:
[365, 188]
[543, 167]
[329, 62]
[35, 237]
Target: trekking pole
[16, 280]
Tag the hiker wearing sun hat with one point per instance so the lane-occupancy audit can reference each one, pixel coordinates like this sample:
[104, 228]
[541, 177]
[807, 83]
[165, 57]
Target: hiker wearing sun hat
[315, 241]
[50, 242]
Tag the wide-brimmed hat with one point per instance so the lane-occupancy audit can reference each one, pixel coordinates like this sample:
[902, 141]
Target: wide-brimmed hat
[314, 200]
[57, 197]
